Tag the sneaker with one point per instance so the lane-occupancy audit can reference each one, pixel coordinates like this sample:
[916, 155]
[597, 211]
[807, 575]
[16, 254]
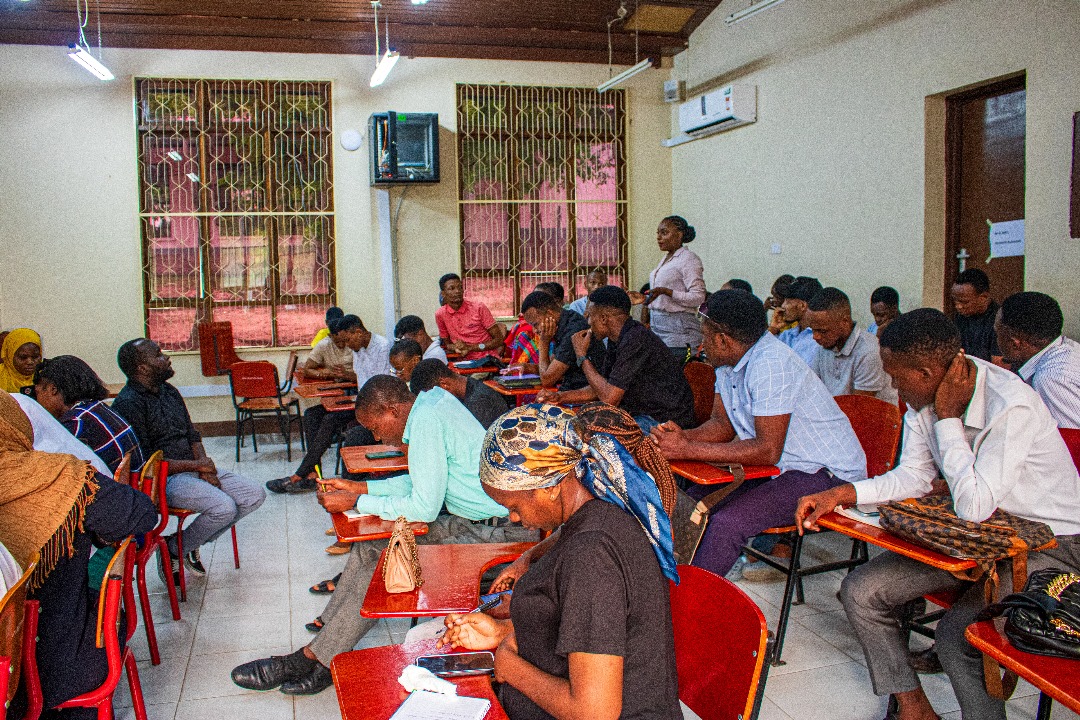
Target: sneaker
[174, 565]
[760, 572]
[193, 562]
[286, 485]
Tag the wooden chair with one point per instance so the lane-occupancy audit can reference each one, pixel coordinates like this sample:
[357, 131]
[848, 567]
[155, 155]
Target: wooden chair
[151, 480]
[256, 392]
[118, 575]
[290, 372]
[720, 646]
[216, 348]
[12, 621]
[702, 379]
[877, 425]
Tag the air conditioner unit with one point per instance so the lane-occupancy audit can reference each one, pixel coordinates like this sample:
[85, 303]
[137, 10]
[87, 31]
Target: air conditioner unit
[719, 110]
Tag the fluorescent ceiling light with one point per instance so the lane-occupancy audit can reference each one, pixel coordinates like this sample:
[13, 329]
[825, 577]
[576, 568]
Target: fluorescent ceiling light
[625, 75]
[173, 155]
[419, 2]
[88, 61]
[750, 11]
[383, 68]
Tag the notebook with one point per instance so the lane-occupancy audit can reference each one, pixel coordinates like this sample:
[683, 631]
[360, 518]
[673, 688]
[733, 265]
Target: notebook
[424, 705]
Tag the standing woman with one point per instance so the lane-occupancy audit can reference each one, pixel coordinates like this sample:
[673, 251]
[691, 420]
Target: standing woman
[677, 288]
[19, 355]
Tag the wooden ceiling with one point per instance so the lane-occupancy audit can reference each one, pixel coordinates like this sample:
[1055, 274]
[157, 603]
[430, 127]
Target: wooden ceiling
[551, 30]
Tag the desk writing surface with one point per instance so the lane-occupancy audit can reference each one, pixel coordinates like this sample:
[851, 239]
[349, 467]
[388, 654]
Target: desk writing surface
[1057, 677]
[368, 527]
[356, 460]
[512, 392]
[326, 388]
[704, 473]
[339, 403]
[885, 539]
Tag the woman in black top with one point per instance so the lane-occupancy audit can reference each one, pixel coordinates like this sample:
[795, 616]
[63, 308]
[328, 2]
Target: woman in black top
[589, 634]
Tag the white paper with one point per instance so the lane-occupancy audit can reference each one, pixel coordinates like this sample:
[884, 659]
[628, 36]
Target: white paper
[430, 630]
[414, 677]
[355, 514]
[431, 706]
[1006, 239]
[850, 513]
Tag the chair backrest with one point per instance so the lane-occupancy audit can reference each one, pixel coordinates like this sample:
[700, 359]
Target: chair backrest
[12, 613]
[702, 379]
[216, 348]
[117, 575]
[877, 424]
[151, 480]
[122, 474]
[254, 380]
[1072, 441]
[720, 640]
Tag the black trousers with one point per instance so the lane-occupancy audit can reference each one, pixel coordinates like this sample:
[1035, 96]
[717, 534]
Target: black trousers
[320, 429]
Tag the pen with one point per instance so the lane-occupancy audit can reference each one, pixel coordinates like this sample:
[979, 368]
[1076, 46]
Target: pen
[483, 607]
[319, 478]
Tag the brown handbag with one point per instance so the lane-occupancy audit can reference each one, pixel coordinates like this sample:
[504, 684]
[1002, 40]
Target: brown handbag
[401, 566]
[690, 517]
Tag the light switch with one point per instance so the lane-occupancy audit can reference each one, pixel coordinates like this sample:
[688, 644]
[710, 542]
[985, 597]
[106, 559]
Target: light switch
[775, 249]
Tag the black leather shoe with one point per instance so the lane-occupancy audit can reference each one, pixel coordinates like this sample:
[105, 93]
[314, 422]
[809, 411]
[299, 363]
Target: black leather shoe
[311, 684]
[263, 674]
[926, 662]
[288, 486]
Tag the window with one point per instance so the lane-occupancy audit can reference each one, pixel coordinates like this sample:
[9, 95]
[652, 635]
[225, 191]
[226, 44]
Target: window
[237, 208]
[542, 189]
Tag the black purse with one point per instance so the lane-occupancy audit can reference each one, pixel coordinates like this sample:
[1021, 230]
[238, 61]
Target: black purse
[1045, 618]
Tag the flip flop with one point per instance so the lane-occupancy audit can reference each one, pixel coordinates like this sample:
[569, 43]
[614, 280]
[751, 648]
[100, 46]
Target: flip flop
[325, 587]
[314, 626]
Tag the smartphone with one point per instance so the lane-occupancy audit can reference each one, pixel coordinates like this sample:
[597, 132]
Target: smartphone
[384, 455]
[469, 663]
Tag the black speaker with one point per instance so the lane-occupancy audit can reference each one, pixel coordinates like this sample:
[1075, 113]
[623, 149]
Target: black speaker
[404, 148]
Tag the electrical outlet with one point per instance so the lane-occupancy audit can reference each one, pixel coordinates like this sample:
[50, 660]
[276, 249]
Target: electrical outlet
[775, 249]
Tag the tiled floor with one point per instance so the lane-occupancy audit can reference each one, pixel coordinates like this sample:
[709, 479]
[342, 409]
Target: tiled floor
[233, 616]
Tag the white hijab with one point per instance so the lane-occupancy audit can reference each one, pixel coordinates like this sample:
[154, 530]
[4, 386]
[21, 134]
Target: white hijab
[52, 437]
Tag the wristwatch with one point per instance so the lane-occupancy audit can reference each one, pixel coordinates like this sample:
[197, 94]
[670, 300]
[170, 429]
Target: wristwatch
[482, 346]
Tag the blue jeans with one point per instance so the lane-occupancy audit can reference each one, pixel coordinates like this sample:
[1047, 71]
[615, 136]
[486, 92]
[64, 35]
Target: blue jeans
[219, 509]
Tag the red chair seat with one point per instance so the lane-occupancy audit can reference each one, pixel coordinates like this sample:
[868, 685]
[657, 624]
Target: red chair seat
[270, 404]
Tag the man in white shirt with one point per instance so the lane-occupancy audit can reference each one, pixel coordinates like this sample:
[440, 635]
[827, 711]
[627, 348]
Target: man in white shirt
[1028, 328]
[847, 361]
[371, 357]
[997, 446]
[800, 338]
[412, 327]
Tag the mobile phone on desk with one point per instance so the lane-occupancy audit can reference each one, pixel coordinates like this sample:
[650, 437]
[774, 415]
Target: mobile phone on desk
[384, 455]
[457, 664]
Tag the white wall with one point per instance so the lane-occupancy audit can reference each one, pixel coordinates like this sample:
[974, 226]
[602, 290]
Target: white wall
[834, 167]
[69, 205]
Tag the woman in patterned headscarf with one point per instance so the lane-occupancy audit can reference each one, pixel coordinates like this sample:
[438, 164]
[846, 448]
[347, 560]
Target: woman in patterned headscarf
[590, 621]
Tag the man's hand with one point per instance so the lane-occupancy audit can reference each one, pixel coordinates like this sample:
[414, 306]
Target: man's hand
[671, 440]
[459, 347]
[581, 341]
[356, 487]
[812, 507]
[337, 500]
[956, 388]
[548, 395]
[546, 329]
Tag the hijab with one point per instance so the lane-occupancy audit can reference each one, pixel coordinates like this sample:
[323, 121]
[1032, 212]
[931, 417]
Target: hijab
[43, 496]
[537, 446]
[10, 378]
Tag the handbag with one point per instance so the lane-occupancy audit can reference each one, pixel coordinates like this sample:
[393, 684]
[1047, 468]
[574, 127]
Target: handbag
[690, 517]
[401, 566]
[1045, 618]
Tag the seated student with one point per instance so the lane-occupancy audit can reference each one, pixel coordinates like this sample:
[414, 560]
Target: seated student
[975, 314]
[773, 303]
[848, 361]
[1028, 330]
[466, 327]
[484, 403]
[639, 373]
[595, 279]
[69, 389]
[556, 327]
[157, 413]
[332, 313]
[52, 437]
[769, 409]
[444, 461]
[800, 338]
[412, 327]
[590, 631]
[737, 284]
[885, 307]
[19, 355]
[554, 289]
[370, 357]
[404, 356]
[996, 445]
[56, 505]
[331, 358]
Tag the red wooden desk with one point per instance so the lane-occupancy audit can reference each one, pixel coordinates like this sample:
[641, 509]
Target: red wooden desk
[367, 686]
[1058, 678]
[356, 461]
[451, 580]
[339, 403]
[326, 388]
[704, 473]
[369, 527]
[517, 393]
[473, 371]
[885, 539]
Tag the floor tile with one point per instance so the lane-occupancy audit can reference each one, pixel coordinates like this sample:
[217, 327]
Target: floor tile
[804, 650]
[323, 706]
[208, 676]
[239, 599]
[770, 711]
[153, 712]
[837, 692]
[160, 683]
[264, 706]
[231, 634]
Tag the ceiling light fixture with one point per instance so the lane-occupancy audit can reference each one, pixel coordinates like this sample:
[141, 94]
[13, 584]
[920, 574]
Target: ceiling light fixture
[616, 80]
[751, 11]
[419, 2]
[80, 51]
[625, 75]
[384, 63]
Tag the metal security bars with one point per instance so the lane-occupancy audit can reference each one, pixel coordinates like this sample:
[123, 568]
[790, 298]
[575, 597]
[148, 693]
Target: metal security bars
[236, 205]
[542, 189]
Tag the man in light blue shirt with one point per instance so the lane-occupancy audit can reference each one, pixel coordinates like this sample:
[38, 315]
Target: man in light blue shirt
[595, 279]
[769, 409]
[444, 442]
[800, 338]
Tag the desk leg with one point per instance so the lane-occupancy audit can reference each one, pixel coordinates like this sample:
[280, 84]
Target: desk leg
[1046, 704]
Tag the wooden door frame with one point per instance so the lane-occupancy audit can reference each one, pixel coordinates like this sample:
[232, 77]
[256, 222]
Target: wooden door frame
[941, 158]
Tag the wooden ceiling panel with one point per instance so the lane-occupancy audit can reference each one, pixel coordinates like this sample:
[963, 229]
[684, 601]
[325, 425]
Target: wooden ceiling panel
[551, 30]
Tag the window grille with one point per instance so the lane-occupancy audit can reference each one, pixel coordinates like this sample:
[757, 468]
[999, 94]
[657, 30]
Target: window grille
[237, 208]
[542, 190]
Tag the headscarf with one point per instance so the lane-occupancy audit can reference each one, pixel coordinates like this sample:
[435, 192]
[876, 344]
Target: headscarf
[43, 496]
[536, 446]
[10, 378]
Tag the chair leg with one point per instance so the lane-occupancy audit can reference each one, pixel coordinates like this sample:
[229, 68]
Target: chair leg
[300, 423]
[793, 580]
[254, 436]
[138, 704]
[239, 437]
[170, 583]
[148, 618]
[180, 553]
[235, 549]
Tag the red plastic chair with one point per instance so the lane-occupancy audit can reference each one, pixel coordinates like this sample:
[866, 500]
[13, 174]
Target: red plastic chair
[702, 379]
[1072, 441]
[257, 392]
[181, 516]
[877, 424]
[116, 586]
[720, 645]
[12, 635]
[216, 348]
[151, 480]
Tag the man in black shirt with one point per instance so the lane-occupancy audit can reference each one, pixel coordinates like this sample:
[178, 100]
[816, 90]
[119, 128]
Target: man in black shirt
[555, 328]
[638, 373]
[485, 404]
[975, 314]
[157, 413]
